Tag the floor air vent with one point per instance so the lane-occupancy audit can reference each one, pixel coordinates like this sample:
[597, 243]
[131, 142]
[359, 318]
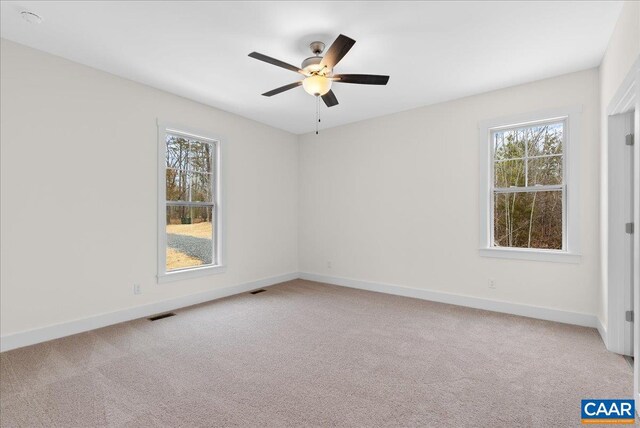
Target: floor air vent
[161, 316]
[258, 291]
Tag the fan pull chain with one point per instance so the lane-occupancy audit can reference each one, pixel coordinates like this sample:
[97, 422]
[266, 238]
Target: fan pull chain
[317, 113]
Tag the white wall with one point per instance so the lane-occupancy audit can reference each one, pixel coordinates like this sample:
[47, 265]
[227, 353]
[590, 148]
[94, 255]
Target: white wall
[391, 200]
[395, 200]
[622, 51]
[78, 192]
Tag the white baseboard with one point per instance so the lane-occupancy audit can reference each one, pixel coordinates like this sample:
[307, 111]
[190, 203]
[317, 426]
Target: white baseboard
[567, 317]
[30, 337]
[603, 331]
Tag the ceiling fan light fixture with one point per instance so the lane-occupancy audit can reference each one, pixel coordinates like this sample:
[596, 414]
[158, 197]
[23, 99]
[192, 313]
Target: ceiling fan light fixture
[316, 85]
[318, 71]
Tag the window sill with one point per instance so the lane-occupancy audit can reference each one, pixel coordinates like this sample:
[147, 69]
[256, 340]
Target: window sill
[190, 273]
[535, 255]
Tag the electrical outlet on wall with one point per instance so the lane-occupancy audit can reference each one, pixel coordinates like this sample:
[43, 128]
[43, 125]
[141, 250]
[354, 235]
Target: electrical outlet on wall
[137, 289]
[492, 283]
[328, 265]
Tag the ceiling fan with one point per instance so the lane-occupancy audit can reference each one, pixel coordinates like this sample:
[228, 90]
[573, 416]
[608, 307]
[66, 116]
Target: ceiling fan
[318, 71]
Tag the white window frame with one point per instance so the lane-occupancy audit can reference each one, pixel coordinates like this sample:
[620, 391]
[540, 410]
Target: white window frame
[571, 170]
[218, 265]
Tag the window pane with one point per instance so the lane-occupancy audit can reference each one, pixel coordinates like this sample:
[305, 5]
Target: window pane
[545, 170]
[200, 157]
[509, 173]
[177, 152]
[545, 139]
[528, 220]
[189, 237]
[508, 144]
[200, 187]
[176, 185]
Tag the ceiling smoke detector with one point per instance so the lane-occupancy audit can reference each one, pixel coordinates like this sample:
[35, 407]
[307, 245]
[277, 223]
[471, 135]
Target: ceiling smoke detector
[31, 17]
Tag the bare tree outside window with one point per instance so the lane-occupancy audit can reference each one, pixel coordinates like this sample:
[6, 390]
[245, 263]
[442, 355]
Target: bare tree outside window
[529, 186]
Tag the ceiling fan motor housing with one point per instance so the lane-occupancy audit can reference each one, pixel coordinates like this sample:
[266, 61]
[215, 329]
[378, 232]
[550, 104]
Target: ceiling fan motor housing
[311, 61]
[312, 64]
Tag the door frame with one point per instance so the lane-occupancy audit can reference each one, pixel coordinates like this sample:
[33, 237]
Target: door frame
[619, 242]
[627, 98]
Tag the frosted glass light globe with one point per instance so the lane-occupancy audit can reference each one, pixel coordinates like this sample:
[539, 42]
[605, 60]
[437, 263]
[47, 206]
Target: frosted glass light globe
[316, 85]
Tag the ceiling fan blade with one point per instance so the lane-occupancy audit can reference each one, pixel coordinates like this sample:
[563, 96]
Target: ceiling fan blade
[330, 99]
[337, 51]
[282, 89]
[362, 79]
[275, 62]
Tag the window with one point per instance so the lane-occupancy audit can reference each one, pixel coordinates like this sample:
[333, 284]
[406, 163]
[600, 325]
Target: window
[189, 204]
[528, 191]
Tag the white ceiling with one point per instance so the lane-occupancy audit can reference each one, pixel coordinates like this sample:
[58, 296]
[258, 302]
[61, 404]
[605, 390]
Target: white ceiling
[433, 51]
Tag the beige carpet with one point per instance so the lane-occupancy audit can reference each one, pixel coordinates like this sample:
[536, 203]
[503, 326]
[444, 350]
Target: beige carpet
[308, 354]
